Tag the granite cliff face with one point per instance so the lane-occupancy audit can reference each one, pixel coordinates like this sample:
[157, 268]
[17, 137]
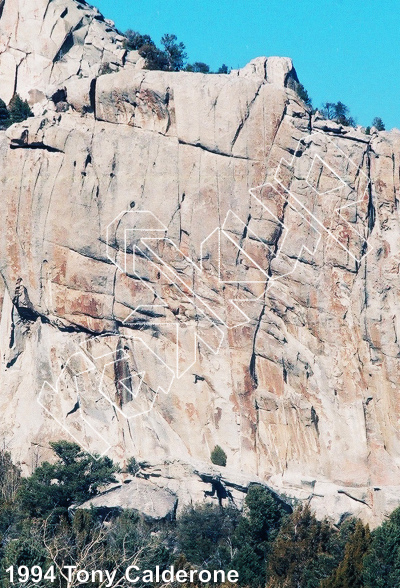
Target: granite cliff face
[191, 260]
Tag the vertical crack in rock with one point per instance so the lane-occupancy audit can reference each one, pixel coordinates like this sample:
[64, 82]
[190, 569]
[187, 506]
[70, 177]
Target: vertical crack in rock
[365, 415]
[284, 112]
[371, 211]
[310, 121]
[114, 295]
[371, 208]
[65, 47]
[23, 304]
[45, 13]
[243, 238]
[122, 374]
[253, 359]
[247, 114]
[22, 315]
[92, 96]
[83, 44]
[252, 366]
[394, 180]
[16, 77]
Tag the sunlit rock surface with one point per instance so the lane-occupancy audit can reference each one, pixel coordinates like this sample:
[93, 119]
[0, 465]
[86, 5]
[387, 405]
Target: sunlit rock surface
[137, 206]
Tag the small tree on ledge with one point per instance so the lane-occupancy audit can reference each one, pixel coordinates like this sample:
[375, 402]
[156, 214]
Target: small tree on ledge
[378, 124]
[218, 456]
[4, 116]
[19, 109]
[132, 467]
[303, 95]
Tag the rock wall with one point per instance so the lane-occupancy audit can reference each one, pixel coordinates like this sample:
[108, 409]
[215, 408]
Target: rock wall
[191, 260]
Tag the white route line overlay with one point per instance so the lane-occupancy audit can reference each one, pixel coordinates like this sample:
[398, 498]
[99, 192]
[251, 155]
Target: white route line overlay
[154, 230]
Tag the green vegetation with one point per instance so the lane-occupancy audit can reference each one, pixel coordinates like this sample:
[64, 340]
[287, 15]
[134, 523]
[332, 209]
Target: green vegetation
[132, 466]
[18, 110]
[218, 456]
[269, 545]
[338, 112]
[174, 52]
[5, 120]
[382, 563]
[349, 574]
[303, 94]
[255, 534]
[198, 67]
[204, 532]
[306, 550]
[135, 41]
[171, 57]
[378, 124]
[74, 478]
[224, 69]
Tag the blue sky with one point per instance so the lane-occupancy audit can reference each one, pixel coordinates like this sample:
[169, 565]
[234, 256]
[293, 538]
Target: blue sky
[346, 50]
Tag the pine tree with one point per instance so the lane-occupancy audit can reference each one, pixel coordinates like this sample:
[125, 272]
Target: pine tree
[174, 51]
[382, 563]
[19, 109]
[300, 554]
[349, 574]
[223, 69]
[4, 115]
[75, 477]
[198, 67]
[218, 456]
[255, 534]
[135, 41]
[378, 123]
[338, 112]
[203, 533]
[303, 95]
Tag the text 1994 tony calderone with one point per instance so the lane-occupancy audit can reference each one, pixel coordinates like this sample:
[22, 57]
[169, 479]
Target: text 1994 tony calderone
[108, 578]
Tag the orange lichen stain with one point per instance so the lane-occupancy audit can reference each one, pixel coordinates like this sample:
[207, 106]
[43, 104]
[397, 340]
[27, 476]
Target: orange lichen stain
[176, 402]
[380, 185]
[249, 384]
[69, 302]
[153, 101]
[191, 410]
[234, 401]
[386, 249]
[218, 415]
[270, 376]
[89, 323]
[60, 263]
[238, 335]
